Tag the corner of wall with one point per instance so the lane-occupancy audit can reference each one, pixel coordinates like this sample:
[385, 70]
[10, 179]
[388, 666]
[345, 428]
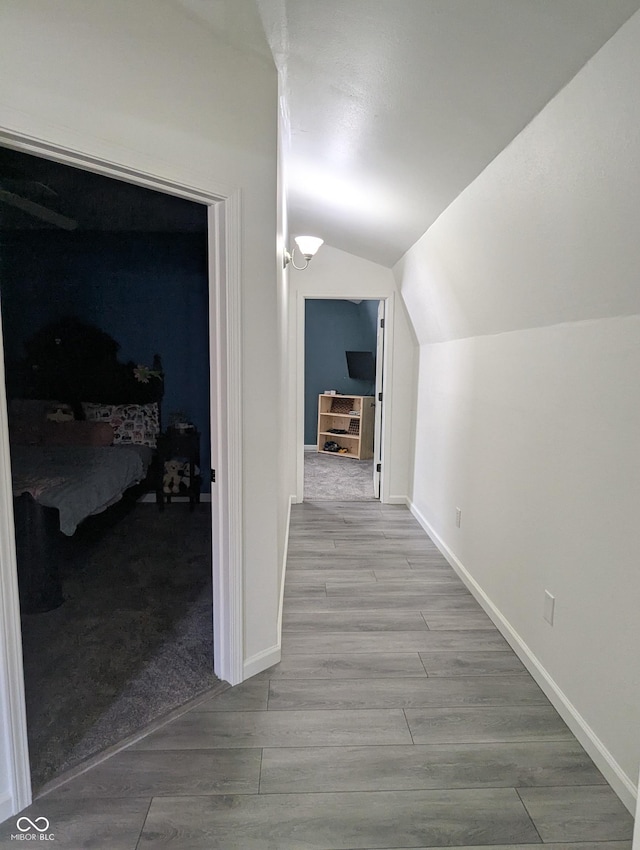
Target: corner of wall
[261, 661]
[272, 655]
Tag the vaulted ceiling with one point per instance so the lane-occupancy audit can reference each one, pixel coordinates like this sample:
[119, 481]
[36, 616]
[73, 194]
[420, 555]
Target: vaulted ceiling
[395, 106]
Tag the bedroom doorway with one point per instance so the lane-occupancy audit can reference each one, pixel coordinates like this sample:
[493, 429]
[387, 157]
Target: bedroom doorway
[217, 233]
[343, 341]
[98, 274]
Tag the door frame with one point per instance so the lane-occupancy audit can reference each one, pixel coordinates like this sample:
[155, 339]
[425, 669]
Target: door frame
[385, 439]
[379, 396]
[225, 246]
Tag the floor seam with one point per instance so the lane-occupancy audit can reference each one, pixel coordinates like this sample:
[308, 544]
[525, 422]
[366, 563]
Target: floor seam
[524, 805]
[144, 823]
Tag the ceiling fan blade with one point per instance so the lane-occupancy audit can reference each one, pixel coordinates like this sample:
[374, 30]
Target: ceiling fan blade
[38, 210]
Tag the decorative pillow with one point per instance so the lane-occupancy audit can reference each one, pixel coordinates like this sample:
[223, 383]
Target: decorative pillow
[76, 433]
[131, 423]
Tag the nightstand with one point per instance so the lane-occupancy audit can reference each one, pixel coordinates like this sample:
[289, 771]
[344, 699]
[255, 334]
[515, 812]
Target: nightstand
[179, 466]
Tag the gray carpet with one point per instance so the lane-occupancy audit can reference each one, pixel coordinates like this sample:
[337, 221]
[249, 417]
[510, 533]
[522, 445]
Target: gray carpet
[132, 641]
[330, 478]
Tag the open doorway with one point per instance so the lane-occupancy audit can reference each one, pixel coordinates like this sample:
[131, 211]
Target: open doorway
[121, 639]
[224, 310]
[343, 375]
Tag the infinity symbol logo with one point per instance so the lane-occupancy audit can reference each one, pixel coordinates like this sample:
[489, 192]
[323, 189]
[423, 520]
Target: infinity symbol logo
[40, 824]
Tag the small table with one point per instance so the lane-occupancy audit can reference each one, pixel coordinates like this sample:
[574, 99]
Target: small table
[181, 448]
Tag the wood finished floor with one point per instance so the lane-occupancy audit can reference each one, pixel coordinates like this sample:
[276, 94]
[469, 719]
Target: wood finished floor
[398, 718]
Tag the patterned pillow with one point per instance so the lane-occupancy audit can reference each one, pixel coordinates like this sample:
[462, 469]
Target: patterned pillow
[131, 423]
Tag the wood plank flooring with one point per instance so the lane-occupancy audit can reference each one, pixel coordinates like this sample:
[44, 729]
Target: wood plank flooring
[398, 718]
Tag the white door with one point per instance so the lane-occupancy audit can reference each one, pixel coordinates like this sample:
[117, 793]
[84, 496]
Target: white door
[377, 431]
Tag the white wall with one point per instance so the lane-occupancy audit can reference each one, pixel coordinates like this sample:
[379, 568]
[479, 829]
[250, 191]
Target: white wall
[336, 274]
[525, 299]
[144, 85]
[286, 461]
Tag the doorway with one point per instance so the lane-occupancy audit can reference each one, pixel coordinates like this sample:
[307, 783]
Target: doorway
[223, 235]
[92, 264]
[343, 377]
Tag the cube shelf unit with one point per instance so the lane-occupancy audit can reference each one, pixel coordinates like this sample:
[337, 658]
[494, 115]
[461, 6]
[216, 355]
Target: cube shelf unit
[351, 413]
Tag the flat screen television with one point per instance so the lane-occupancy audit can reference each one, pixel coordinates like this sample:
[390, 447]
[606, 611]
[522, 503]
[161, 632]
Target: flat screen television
[361, 365]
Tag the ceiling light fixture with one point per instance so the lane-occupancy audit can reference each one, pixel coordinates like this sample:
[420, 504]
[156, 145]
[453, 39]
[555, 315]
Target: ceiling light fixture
[307, 246]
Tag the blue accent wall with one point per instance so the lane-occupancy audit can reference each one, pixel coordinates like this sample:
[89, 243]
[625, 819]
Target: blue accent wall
[370, 316]
[331, 328]
[148, 291]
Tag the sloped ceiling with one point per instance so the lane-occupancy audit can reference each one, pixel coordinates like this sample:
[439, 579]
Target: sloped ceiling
[396, 106]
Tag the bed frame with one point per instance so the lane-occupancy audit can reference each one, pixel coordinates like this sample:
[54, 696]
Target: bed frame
[70, 361]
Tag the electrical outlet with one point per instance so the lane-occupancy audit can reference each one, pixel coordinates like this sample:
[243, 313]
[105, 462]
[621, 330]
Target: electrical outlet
[549, 607]
[458, 517]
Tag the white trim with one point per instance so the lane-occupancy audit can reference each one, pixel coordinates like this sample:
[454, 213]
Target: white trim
[226, 445]
[299, 399]
[398, 500]
[268, 657]
[378, 393]
[283, 572]
[602, 757]
[387, 395]
[310, 447]
[13, 728]
[225, 228]
[214, 192]
[387, 370]
[261, 661]
[6, 806]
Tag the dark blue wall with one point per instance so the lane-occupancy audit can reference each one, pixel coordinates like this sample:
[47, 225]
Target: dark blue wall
[148, 291]
[370, 316]
[331, 328]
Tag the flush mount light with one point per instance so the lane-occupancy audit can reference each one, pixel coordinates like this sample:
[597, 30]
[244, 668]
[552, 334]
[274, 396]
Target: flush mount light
[307, 246]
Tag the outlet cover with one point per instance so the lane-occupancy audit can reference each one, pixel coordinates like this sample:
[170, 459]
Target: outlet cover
[458, 517]
[549, 607]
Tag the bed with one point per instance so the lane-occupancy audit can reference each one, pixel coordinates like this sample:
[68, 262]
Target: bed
[83, 430]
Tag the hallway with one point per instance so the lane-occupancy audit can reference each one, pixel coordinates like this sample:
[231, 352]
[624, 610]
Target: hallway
[398, 718]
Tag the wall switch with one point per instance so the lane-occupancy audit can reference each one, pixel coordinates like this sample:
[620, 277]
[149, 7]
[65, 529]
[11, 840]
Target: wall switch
[458, 517]
[549, 607]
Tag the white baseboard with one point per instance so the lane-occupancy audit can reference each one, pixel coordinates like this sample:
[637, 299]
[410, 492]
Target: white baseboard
[6, 806]
[261, 661]
[283, 574]
[271, 656]
[313, 448]
[398, 500]
[602, 757]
